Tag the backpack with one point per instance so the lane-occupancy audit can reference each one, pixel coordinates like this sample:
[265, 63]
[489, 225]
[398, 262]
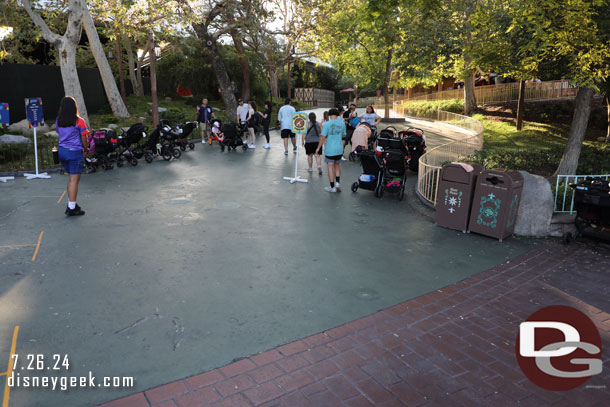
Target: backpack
[255, 120]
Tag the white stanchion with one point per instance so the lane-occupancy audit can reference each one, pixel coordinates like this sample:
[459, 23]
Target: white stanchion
[4, 179]
[296, 177]
[37, 175]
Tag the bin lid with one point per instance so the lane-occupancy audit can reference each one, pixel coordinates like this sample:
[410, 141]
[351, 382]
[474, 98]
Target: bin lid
[457, 172]
[507, 178]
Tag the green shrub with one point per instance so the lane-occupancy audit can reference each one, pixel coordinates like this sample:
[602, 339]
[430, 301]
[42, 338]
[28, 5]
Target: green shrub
[108, 118]
[174, 115]
[425, 109]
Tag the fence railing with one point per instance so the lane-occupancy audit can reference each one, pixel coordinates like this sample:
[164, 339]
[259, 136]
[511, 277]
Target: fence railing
[500, 93]
[20, 157]
[564, 194]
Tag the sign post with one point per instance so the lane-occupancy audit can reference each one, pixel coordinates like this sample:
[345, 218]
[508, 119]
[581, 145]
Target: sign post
[4, 122]
[33, 110]
[299, 127]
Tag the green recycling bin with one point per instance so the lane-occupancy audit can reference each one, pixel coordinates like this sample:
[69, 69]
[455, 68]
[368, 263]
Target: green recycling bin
[454, 198]
[495, 203]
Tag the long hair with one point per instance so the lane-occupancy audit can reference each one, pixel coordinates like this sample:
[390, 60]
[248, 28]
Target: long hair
[253, 105]
[372, 110]
[325, 119]
[68, 112]
[268, 105]
[312, 120]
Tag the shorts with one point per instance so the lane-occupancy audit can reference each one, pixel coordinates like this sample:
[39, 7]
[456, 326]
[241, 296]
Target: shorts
[332, 159]
[203, 125]
[71, 159]
[287, 133]
[310, 148]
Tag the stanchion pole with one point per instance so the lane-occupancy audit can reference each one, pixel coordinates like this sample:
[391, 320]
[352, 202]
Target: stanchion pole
[37, 175]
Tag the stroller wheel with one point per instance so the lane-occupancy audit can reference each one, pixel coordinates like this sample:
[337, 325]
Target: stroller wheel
[182, 147]
[354, 187]
[244, 147]
[176, 152]
[401, 192]
[167, 155]
[119, 163]
[134, 162]
[104, 167]
[191, 146]
[138, 154]
[148, 158]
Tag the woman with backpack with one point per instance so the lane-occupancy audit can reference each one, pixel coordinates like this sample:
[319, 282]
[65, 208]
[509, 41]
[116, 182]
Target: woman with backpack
[311, 141]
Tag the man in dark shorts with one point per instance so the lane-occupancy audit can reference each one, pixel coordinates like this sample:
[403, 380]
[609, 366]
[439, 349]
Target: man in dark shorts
[284, 116]
[332, 135]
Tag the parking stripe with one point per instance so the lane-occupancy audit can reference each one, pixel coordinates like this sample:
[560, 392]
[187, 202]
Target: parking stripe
[7, 390]
[61, 197]
[37, 247]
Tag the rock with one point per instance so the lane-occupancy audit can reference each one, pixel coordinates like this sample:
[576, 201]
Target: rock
[601, 139]
[162, 109]
[52, 134]
[536, 208]
[141, 119]
[112, 126]
[13, 139]
[168, 99]
[23, 127]
[562, 223]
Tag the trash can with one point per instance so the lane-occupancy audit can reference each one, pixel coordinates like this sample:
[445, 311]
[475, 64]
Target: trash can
[454, 199]
[496, 202]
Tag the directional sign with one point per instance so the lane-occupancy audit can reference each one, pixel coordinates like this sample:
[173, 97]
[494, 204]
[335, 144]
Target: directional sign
[33, 110]
[4, 115]
[299, 123]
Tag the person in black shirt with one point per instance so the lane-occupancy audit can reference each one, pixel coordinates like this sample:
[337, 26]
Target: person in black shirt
[266, 121]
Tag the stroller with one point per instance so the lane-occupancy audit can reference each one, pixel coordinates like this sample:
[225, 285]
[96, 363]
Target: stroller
[182, 133]
[394, 173]
[416, 146]
[170, 135]
[372, 171]
[390, 139]
[156, 146]
[216, 135]
[357, 140]
[592, 200]
[130, 140]
[232, 137]
[102, 150]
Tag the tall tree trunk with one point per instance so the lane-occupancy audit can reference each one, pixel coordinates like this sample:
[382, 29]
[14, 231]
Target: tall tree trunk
[386, 83]
[153, 78]
[273, 78]
[243, 63]
[132, 67]
[608, 109]
[222, 77]
[521, 104]
[69, 75]
[119, 60]
[470, 101]
[112, 93]
[140, 62]
[288, 89]
[582, 109]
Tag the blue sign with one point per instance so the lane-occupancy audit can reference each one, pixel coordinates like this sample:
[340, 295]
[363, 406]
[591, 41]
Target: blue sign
[33, 110]
[4, 115]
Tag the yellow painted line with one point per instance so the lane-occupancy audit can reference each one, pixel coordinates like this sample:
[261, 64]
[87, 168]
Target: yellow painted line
[37, 247]
[61, 197]
[19, 245]
[7, 390]
[28, 196]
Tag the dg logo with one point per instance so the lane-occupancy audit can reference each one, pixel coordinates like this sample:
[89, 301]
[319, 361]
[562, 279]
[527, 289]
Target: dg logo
[559, 348]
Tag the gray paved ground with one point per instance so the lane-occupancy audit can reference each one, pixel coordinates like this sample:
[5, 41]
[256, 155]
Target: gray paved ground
[184, 266]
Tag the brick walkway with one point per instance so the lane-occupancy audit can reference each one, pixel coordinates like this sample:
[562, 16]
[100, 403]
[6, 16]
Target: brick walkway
[454, 346]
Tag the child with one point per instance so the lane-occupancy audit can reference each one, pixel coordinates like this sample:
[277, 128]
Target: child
[216, 133]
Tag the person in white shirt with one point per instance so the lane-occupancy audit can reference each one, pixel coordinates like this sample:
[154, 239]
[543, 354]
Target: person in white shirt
[284, 116]
[242, 116]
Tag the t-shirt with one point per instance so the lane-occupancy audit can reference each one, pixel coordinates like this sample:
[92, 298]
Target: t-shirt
[370, 118]
[268, 114]
[313, 133]
[334, 130]
[70, 137]
[242, 112]
[205, 113]
[285, 116]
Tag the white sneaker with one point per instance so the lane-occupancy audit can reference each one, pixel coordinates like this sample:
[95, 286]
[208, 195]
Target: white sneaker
[267, 146]
[309, 170]
[337, 187]
[329, 189]
[251, 146]
[342, 158]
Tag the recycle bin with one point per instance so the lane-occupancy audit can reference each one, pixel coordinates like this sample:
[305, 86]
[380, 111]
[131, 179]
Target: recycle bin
[496, 202]
[454, 198]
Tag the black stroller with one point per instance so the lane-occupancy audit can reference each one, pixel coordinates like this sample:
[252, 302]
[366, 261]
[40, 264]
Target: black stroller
[394, 173]
[179, 134]
[130, 142]
[232, 137]
[102, 150]
[372, 171]
[416, 146]
[592, 200]
[170, 135]
[156, 146]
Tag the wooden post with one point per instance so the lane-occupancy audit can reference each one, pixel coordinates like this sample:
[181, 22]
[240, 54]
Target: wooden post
[520, 104]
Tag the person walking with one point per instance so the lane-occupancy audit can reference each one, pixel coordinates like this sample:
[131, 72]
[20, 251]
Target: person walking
[252, 122]
[73, 148]
[205, 114]
[311, 141]
[332, 139]
[266, 122]
[284, 116]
